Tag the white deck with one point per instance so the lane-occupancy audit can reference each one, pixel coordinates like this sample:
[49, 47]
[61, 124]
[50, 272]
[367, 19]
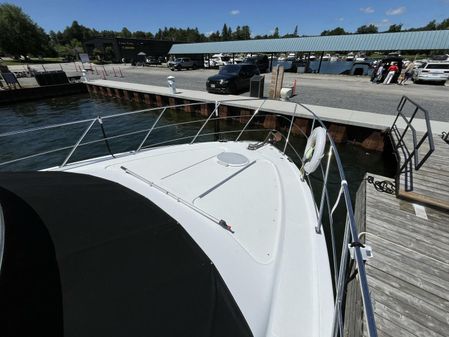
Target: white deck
[275, 265]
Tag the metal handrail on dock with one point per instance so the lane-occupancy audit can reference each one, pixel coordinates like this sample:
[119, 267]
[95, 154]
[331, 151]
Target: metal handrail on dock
[325, 209]
[412, 156]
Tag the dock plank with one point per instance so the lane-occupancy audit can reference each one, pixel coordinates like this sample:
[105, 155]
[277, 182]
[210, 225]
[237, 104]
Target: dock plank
[408, 276]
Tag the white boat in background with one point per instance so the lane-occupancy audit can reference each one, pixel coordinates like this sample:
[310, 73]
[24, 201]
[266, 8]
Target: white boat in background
[326, 57]
[350, 57]
[221, 59]
[248, 212]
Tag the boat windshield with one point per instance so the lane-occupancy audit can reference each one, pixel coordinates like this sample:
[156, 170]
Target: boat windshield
[230, 69]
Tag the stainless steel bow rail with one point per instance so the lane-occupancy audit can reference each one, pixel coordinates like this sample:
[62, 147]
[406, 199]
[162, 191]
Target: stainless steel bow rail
[318, 182]
[411, 156]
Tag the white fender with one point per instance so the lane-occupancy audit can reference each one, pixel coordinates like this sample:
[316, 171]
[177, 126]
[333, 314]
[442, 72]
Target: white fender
[314, 150]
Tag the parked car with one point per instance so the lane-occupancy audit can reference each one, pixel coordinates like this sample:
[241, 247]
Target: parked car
[261, 61]
[183, 63]
[232, 79]
[436, 72]
[152, 60]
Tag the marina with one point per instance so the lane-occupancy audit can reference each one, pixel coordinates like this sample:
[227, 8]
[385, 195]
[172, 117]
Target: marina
[231, 183]
[368, 207]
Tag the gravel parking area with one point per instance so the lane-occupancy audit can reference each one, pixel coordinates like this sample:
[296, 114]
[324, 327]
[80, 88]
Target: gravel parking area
[338, 91]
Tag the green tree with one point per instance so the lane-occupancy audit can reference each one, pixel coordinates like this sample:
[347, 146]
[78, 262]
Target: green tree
[335, 31]
[69, 50]
[276, 33]
[215, 36]
[294, 34]
[367, 29]
[74, 32]
[444, 24]
[20, 35]
[126, 33]
[139, 34]
[432, 25]
[225, 33]
[394, 28]
[246, 33]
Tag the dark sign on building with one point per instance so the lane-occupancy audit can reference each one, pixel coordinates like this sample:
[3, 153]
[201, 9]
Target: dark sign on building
[117, 49]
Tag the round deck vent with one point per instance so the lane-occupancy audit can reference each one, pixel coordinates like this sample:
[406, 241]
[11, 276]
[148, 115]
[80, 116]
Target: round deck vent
[232, 159]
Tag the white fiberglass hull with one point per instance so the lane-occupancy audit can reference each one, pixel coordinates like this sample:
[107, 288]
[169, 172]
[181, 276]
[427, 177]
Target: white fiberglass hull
[274, 263]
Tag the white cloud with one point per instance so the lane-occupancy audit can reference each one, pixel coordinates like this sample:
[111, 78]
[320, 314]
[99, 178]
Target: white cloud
[234, 12]
[396, 11]
[383, 23]
[340, 19]
[367, 10]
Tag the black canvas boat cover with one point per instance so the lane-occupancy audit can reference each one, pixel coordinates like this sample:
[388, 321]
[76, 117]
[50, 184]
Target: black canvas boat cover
[88, 257]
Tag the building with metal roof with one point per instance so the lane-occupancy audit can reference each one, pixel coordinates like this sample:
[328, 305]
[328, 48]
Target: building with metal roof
[419, 40]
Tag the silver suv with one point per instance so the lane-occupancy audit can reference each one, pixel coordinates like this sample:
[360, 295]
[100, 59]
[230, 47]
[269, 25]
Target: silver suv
[437, 72]
[183, 63]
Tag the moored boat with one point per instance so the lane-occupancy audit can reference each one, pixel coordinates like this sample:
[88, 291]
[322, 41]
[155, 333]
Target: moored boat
[222, 234]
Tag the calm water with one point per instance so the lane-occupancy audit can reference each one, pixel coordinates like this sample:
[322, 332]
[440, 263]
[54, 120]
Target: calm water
[28, 115]
[356, 160]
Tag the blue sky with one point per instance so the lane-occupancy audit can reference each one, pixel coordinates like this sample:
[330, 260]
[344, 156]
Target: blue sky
[312, 17]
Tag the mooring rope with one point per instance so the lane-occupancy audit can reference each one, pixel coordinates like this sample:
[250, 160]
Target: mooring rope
[384, 186]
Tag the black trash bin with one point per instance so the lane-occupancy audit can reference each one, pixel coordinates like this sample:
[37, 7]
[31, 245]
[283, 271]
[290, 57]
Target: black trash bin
[51, 78]
[256, 86]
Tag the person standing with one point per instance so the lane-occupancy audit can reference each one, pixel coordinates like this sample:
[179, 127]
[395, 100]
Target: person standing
[379, 73]
[408, 73]
[391, 71]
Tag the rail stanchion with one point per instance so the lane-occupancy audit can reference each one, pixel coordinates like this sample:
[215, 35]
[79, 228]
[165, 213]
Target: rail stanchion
[43, 67]
[104, 75]
[104, 69]
[115, 74]
[96, 71]
[60, 65]
[121, 74]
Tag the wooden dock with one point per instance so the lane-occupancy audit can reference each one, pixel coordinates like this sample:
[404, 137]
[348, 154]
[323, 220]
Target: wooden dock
[430, 184]
[409, 274]
[423, 157]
